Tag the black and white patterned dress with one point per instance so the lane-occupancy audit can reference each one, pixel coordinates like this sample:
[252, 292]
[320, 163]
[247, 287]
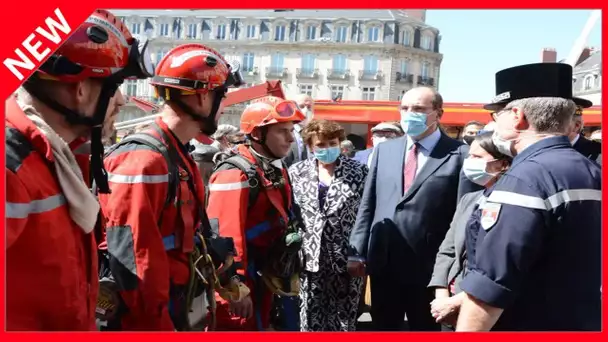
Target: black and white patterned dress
[329, 296]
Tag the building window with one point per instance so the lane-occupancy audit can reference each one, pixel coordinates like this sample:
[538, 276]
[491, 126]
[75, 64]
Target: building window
[337, 91]
[279, 33]
[426, 69]
[160, 55]
[404, 68]
[131, 88]
[136, 28]
[276, 63]
[370, 65]
[250, 31]
[308, 63]
[368, 94]
[248, 59]
[341, 32]
[311, 32]
[221, 32]
[426, 42]
[339, 63]
[306, 89]
[588, 82]
[407, 38]
[192, 31]
[164, 29]
[373, 34]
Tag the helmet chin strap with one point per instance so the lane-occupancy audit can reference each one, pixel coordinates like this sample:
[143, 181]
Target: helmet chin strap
[209, 124]
[74, 118]
[262, 142]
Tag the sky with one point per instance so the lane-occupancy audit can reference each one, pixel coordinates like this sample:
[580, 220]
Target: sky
[477, 43]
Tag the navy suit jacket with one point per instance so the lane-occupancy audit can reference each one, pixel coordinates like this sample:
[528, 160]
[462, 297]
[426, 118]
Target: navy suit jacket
[421, 217]
[362, 156]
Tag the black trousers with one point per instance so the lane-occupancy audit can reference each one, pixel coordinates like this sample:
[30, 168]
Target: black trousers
[393, 298]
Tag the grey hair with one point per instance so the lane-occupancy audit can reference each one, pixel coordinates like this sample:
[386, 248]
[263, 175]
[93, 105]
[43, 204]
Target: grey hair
[546, 114]
[224, 130]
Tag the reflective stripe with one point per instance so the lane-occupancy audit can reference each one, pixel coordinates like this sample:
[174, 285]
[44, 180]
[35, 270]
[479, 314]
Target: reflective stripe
[506, 197]
[126, 179]
[573, 196]
[23, 210]
[228, 186]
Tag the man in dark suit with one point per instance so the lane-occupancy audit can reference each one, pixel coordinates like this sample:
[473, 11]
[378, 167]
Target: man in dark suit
[380, 133]
[299, 151]
[588, 148]
[408, 203]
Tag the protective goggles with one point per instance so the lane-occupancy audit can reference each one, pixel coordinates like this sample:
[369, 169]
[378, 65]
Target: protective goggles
[234, 80]
[282, 111]
[140, 64]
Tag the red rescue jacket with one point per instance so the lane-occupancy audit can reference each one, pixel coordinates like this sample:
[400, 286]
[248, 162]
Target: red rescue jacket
[253, 227]
[51, 263]
[137, 237]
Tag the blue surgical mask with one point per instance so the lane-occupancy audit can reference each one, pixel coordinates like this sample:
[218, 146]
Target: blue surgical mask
[327, 155]
[413, 123]
[475, 170]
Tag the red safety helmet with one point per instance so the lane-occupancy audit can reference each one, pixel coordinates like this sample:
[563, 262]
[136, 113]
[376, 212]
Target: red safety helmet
[269, 110]
[102, 47]
[195, 68]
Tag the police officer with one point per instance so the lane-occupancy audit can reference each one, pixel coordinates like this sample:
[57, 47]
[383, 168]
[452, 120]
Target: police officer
[534, 243]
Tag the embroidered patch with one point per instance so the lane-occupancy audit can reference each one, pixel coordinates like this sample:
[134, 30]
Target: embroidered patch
[489, 215]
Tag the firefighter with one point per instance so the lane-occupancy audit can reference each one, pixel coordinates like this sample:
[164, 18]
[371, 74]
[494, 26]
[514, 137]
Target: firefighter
[51, 254]
[251, 201]
[153, 214]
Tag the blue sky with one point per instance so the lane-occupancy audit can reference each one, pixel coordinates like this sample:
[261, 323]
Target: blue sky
[477, 43]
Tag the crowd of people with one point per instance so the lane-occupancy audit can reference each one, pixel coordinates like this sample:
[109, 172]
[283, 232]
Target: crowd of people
[280, 224]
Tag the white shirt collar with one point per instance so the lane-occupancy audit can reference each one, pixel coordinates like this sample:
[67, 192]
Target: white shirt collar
[428, 143]
[575, 139]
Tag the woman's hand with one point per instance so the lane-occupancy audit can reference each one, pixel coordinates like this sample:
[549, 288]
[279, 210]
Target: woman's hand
[445, 310]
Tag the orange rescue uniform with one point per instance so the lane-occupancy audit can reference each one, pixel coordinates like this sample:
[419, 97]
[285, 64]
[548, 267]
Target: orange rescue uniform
[149, 273]
[51, 262]
[254, 229]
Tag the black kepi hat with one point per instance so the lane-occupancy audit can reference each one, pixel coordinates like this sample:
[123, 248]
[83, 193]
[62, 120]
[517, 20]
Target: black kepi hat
[534, 80]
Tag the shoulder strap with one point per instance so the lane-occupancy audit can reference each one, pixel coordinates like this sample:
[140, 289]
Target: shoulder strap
[249, 169]
[159, 146]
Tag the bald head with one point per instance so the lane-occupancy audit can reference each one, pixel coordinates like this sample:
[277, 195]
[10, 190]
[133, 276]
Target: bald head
[304, 100]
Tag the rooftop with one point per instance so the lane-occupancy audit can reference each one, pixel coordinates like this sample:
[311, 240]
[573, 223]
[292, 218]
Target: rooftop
[382, 15]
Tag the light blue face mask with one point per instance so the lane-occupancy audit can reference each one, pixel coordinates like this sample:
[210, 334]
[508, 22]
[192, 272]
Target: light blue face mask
[413, 123]
[327, 155]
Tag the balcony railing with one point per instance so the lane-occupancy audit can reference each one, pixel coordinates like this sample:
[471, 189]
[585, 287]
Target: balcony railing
[404, 77]
[276, 72]
[370, 75]
[425, 80]
[251, 71]
[338, 74]
[307, 73]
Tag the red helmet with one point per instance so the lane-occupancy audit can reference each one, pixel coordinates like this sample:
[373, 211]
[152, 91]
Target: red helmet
[102, 47]
[195, 68]
[269, 110]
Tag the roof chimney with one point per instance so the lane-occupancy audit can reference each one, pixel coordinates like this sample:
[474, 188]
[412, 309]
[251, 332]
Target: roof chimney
[548, 55]
[584, 55]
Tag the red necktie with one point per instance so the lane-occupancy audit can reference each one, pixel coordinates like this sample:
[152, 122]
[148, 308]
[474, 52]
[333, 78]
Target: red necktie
[409, 172]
